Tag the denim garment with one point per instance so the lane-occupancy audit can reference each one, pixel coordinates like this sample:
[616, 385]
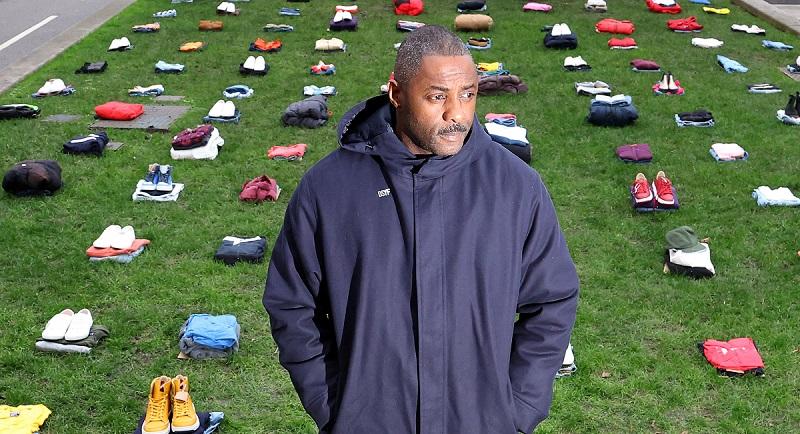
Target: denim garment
[234, 119]
[291, 12]
[162, 66]
[730, 65]
[775, 45]
[213, 331]
[238, 91]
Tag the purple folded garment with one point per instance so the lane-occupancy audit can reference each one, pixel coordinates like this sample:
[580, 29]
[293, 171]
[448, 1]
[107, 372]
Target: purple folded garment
[644, 64]
[350, 24]
[636, 153]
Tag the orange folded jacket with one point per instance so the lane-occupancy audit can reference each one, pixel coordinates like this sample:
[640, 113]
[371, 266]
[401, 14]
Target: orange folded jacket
[94, 252]
[192, 46]
[210, 25]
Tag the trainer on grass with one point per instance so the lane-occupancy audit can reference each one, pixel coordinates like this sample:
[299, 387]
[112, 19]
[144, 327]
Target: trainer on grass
[404, 258]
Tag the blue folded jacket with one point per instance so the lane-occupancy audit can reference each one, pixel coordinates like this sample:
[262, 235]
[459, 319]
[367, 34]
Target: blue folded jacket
[730, 65]
[213, 331]
[775, 45]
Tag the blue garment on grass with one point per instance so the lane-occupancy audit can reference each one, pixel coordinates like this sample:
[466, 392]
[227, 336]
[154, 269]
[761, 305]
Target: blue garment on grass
[213, 331]
[701, 2]
[214, 419]
[730, 65]
[775, 45]
[291, 12]
[235, 119]
[238, 91]
[162, 66]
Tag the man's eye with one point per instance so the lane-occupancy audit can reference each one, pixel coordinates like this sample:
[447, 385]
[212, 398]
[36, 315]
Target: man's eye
[467, 95]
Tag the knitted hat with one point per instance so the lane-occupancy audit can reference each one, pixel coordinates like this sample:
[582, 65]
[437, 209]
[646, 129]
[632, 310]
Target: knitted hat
[683, 238]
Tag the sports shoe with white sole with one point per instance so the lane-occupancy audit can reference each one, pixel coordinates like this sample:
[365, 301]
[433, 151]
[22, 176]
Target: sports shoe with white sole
[156, 420]
[124, 238]
[184, 416]
[229, 109]
[164, 178]
[250, 63]
[217, 109]
[108, 235]
[260, 64]
[57, 326]
[80, 326]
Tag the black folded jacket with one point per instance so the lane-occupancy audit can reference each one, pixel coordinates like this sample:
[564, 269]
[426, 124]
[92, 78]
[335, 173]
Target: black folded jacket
[250, 251]
[92, 144]
[92, 68]
[472, 5]
[33, 178]
[696, 116]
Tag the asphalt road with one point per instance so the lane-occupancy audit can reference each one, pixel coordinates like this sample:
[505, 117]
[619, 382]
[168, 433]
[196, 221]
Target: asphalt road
[34, 31]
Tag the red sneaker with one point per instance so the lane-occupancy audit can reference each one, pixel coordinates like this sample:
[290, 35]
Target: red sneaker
[663, 188]
[641, 189]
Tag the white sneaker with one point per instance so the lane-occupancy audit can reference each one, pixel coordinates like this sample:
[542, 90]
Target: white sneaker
[216, 110]
[228, 109]
[579, 61]
[556, 30]
[124, 238]
[58, 325]
[231, 9]
[250, 63]
[739, 27]
[223, 7]
[260, 64]
[569, 356]
[108, 235]
[565, 30]
[115, 44]
[46, 89]
[671, 86]
[664, 83]
[124, 42]
[755, 30]
[80, 326]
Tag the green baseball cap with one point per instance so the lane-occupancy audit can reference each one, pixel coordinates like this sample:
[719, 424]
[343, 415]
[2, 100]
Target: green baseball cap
[683, 238]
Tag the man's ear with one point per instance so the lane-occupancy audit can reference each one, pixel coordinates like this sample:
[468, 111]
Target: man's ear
[395, 94]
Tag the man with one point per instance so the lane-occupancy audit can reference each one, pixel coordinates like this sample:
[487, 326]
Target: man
[404, 257]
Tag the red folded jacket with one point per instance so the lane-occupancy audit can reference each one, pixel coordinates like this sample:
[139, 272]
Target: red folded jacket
[684, 24]
[645, 65]
[736, 355]
[655, 7]
[621, 43]
[611, 25]
[119, 111]
[260, 189]
[408, 7]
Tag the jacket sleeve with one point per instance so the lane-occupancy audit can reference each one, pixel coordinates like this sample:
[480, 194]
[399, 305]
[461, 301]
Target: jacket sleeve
[298, 310]
[547, 306]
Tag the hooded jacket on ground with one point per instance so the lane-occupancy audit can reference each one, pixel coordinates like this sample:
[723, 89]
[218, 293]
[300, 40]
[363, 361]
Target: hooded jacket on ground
[394, 283]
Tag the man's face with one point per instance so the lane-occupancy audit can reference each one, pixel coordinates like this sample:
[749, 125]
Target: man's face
[435, 110]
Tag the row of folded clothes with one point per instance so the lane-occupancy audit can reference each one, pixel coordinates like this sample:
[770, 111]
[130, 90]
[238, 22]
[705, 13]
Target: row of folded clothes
[641, 152]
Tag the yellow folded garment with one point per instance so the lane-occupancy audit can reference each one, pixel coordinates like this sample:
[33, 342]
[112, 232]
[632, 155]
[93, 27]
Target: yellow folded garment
[192, 46]
[22, 419]
[333, 44]
[487, 67]
[723, 11]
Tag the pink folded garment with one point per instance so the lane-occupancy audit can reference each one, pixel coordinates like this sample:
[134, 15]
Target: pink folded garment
[728, 151]
[492, 116]
[537, 7]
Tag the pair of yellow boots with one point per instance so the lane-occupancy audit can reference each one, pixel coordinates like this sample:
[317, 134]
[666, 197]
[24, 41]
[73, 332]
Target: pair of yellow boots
[170, 395]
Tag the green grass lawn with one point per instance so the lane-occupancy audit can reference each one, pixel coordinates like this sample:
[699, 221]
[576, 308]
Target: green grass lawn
[634, 323]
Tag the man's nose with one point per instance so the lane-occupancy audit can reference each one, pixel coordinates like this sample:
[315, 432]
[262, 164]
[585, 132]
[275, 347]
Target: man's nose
[454, 111]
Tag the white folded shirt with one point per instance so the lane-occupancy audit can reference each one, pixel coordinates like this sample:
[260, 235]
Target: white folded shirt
[513, 133]
[707, 42]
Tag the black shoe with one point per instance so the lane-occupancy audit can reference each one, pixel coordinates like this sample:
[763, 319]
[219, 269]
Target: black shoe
[791, 107]
[797, 103]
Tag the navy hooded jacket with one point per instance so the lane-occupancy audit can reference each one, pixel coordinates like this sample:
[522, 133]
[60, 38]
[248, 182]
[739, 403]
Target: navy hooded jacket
[394, 284]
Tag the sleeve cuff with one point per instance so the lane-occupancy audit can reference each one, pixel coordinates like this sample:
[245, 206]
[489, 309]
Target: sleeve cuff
[526, 418]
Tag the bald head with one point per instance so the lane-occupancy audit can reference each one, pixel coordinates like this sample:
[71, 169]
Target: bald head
[425, 41]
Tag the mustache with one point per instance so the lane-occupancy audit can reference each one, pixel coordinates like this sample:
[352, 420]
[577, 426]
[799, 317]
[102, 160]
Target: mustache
[454, 128]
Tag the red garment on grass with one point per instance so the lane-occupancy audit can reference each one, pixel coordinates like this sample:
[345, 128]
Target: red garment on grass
[408, 7]
[624, 42]
[611, 25]
[259, 189]
[119, 111]
[655, 7]
[94, 252]
[739, 354]
[688, 24]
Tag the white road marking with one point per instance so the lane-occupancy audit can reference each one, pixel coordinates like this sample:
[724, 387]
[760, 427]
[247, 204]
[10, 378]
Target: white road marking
[27, 32]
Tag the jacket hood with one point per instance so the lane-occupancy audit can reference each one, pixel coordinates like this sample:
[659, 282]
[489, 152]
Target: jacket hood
[368, 128]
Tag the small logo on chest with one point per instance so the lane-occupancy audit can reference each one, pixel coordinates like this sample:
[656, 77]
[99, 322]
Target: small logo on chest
[385, 192]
